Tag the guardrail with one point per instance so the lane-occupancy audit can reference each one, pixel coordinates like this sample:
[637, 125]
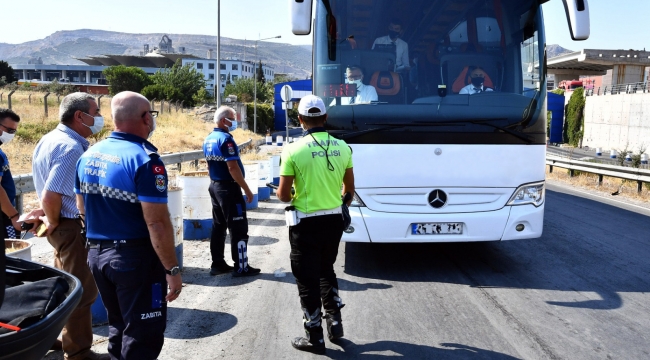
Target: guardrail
[631, 88]
[621, 172]
[25, 183]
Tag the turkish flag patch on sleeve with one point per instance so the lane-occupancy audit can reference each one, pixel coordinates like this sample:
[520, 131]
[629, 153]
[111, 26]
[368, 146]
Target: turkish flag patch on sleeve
[158, 169]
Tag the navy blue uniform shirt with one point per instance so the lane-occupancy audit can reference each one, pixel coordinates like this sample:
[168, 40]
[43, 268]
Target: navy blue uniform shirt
[218, 148]
[7, 182]
[114, 176]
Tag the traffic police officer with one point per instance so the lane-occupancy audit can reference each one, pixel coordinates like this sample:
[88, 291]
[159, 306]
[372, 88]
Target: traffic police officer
[228, 206]
[316, 165]
[121, 187]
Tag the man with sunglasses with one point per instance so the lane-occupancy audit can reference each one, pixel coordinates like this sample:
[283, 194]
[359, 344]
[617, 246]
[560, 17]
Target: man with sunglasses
[10, 226]
[228, 206]
[121, 186]
[53, 165]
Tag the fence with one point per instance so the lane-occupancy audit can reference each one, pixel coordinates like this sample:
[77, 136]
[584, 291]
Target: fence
[621, 172]
[25, 183]
[632, 88]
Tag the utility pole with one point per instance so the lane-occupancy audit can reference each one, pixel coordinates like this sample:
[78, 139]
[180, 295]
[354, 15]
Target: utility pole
[217, 80]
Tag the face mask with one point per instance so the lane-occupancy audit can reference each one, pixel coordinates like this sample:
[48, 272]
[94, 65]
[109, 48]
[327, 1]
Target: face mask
[152, 129]
[357, 82]
[477, 81]
[97, 126]
[393, 34]
[6, 137]
[233, 125]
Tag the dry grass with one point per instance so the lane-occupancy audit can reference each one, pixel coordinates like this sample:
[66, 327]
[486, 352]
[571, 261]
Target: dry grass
[175, 131]
[610, 185]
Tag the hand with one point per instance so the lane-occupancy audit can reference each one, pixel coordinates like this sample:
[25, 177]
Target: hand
[249, 196]
[175, 286]
[50, 226]
[33, 216]
[16, 225]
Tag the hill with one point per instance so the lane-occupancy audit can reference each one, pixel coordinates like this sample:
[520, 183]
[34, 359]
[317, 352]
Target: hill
[63, 47]
[556, 50]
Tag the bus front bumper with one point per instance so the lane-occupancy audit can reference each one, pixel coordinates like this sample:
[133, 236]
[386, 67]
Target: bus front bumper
[502, 224]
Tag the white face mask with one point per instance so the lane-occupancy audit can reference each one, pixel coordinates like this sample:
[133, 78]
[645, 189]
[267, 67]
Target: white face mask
[152, 129]
[97, 126]
[357, 82]
[6, 137]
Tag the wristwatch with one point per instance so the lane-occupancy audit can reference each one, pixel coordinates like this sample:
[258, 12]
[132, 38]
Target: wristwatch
[173, 271]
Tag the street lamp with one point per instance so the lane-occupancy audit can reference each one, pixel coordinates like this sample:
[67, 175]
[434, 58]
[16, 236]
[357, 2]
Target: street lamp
[255, 80]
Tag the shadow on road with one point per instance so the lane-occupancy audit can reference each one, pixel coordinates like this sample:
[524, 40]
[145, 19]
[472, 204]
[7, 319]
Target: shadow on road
[384, 349]
[201, 324]
[587, 246]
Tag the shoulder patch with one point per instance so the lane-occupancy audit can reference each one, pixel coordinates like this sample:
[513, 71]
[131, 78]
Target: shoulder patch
[161, 183]
[231, 149]
[158, 169]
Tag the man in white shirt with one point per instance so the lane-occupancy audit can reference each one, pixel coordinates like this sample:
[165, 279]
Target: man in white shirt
[477, 76]
[365, 93]
[401, 47]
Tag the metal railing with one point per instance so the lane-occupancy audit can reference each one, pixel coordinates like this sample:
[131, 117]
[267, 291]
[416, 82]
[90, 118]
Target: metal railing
[632, 88]
[25, 183]
[621, 172]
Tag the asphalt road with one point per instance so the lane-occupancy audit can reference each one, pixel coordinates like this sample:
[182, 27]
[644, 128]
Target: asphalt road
[582, 291]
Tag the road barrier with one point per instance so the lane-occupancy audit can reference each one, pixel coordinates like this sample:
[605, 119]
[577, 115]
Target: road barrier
[25, 183]
[621, 172]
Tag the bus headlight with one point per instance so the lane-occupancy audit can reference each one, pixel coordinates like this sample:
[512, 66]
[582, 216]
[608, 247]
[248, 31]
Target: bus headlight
[356, 201]
[528, 194]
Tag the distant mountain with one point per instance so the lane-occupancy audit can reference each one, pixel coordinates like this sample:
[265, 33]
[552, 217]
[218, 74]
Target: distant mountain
[63, 47]
[556, 50]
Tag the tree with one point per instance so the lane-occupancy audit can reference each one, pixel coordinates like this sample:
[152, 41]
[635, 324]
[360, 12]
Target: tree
[7, 72]
[260, 73]
[228, 80]
[245, 90]
[161, 92]
[184, 78]
[126, 78]
[574, 116]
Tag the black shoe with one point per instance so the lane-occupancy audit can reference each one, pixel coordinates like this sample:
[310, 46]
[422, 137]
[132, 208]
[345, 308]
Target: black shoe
[304, 344]
[334, 326]
[249, 271]
[221, 269]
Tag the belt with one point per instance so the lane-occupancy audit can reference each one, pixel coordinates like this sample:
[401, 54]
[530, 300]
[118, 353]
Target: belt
[302, 215]
[223, 181]
[110, 244]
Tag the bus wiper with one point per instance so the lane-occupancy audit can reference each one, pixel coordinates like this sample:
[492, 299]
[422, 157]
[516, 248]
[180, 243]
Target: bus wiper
[516, 134]
[389, 126]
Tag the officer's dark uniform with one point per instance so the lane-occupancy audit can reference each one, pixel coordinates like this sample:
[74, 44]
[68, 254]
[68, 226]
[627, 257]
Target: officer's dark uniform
[228, 205]
[114, 176]
[10, 188]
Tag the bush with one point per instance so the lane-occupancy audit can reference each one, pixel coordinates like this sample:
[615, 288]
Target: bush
[57, 88]
[161, 92]
[33, 132]
[265, 117]
[202, 97]
[184, 78]
[574, 117]
[126, 78]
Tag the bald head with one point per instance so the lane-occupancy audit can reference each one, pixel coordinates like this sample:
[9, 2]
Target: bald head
[130, 112]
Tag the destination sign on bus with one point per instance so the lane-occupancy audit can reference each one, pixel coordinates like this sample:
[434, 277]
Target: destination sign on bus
[337, 90]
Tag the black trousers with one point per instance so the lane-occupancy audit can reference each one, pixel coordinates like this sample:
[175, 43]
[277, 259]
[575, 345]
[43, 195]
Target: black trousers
[228, 212]
[132, 283]
[314, 247]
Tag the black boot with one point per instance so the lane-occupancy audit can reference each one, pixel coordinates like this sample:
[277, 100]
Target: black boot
[334, 326]
[313, 342]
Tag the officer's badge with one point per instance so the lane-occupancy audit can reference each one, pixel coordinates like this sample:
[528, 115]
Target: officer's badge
[161, 183]
[231, 149]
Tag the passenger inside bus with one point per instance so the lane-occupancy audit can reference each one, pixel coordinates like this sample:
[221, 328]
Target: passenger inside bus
[365, 93]
[401, 47]
[476, 79]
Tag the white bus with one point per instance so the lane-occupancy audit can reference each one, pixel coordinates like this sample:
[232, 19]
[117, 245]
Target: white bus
[433, 163]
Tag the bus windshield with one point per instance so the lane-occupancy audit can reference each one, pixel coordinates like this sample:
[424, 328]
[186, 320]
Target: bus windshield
[432, 71]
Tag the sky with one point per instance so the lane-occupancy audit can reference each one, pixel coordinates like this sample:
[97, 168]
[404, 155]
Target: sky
[613, 25]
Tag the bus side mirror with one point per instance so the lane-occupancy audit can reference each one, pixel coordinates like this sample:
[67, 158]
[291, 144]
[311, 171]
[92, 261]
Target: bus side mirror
[301, 16]
[577, 14]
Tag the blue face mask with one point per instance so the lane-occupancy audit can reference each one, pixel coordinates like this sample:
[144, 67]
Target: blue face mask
[233, 125]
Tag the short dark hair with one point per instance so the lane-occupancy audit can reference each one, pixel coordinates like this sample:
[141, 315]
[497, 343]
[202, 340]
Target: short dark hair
[8, 113]
[313, 120]
[396, 21]
[355, 67]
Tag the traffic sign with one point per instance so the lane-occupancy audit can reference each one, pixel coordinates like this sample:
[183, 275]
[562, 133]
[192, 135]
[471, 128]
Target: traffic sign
[286, 93]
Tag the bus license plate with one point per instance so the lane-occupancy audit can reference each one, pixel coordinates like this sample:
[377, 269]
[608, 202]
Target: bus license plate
[436, 228]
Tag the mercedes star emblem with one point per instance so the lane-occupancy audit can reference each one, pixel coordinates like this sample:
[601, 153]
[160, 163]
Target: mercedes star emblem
[437, 198]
